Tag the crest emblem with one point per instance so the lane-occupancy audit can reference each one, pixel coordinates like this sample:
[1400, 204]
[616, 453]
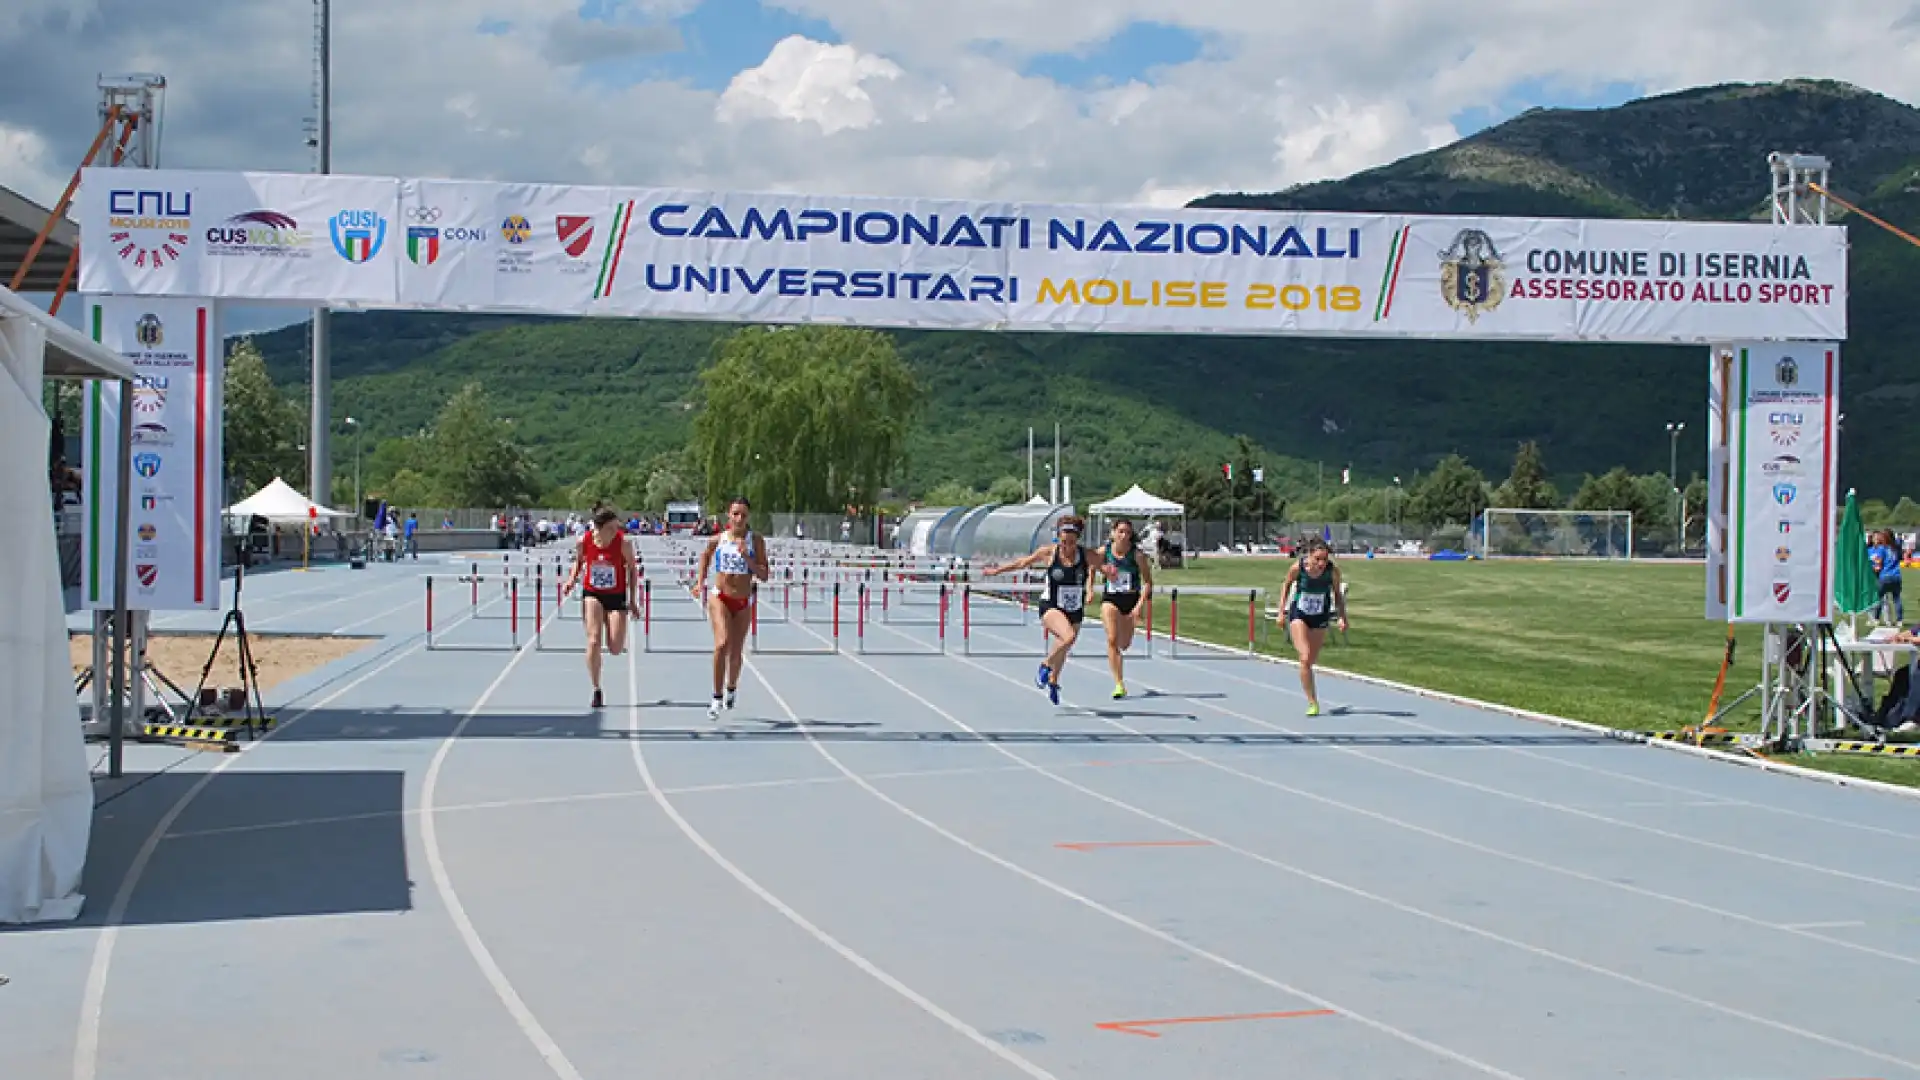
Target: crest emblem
[1782, 590]
[148, 331]
[515, 230]
[575, 233]
[1472, 277]
[423, 244]
[1787, 371]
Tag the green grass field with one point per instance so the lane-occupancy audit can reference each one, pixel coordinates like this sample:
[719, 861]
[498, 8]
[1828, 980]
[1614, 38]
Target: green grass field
[1624, 644]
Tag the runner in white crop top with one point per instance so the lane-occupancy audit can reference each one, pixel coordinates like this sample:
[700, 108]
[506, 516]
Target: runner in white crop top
[736, 558]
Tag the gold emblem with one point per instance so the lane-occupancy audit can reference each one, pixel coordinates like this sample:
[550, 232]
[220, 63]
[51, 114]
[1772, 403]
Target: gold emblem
[1471, 277]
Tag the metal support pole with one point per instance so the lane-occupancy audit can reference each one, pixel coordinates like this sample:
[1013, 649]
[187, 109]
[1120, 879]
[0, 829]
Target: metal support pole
[319, 433]
[123, 499]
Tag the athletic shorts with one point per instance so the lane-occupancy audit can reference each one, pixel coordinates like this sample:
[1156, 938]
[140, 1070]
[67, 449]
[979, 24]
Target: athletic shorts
[735, 604]
[1073, 617]
[1124, 602]
[1314, 622]
[609, 601]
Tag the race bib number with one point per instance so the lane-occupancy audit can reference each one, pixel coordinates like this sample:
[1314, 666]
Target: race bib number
[1312, 603]
[1070, 598]
[600, 577]
[1122, 581]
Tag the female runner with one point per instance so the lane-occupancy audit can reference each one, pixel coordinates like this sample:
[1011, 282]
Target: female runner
[606, 563]
[1314, 596]
[737, 558]
[1063, 604]
[1129, 586]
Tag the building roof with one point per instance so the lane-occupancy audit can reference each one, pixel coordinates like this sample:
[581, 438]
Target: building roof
[21, 220]
[69, 353]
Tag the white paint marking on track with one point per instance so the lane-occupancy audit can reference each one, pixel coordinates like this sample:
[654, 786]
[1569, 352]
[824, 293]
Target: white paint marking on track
[1716, 910]
[523, 1017]
[1094, 905]
[1442, 920]
[694, 836]
[86, 1049]
[602, 796]
[1565, 763]
[415, 602]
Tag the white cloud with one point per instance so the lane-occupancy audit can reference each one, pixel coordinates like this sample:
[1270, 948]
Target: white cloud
[921, 98]
[806, 81]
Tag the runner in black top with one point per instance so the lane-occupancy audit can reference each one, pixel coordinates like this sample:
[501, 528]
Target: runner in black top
[1063, 604]
[1129, 587]
[1314, 597]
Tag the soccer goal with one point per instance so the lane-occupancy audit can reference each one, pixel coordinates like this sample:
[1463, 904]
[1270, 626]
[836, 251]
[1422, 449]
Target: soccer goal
[1556, 534]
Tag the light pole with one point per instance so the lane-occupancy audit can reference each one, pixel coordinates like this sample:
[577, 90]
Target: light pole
[358, 505]
[1673, 477]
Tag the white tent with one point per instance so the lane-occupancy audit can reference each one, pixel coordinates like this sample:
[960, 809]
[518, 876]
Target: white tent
[46, 791]
[1138, 502]
[280, 504]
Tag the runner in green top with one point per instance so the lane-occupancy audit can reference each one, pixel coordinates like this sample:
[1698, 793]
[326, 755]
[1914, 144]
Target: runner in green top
[1129, 586]
[1314, 597]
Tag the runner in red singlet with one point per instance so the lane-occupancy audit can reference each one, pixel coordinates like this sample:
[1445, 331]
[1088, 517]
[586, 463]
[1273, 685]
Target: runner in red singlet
[610, 584]
[736, 557]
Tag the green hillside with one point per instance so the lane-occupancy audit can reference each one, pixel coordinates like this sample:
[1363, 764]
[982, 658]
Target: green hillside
[586, 394]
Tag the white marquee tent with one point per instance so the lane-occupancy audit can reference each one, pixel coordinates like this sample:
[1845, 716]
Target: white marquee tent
[46, 790]
[1137, 502]
[280, 504]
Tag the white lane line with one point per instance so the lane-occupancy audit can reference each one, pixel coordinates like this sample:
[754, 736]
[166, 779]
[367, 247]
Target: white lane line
[1567, 763]
[530, 1026]
[1442, 920]
[86, 1050]
[601, 796]
[693, 835]
[1094, 905]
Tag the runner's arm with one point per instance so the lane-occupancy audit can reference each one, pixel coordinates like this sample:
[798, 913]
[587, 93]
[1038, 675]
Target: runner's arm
[579, 568]
[1339, 598]
[762, 568]
[1286, 592]
[1146, 580]
[706, 560]
[1021, 563]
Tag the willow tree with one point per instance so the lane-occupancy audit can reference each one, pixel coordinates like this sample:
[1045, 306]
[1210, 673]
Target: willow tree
[804, 419]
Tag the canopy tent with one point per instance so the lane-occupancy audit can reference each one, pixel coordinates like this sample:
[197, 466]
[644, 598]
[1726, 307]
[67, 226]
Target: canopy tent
[280, 504]
[46, 790]
[1138, 502]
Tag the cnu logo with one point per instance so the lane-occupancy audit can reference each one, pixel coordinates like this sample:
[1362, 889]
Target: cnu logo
[357, 234]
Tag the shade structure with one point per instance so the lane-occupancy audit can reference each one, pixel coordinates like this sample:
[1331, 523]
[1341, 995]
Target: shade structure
[1855, 588]
[280, 504]
[1138, 502]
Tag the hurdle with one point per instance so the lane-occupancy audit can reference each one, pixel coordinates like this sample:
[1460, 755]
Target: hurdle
[647, 618]
[542, 616]
[1254, 624]
[513, 621]
[938, 648]
[832, 648]
[1012, 595]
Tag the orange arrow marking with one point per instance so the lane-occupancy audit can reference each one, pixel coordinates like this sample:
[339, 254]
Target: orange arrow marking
[1138, 1027]
[1089, 845]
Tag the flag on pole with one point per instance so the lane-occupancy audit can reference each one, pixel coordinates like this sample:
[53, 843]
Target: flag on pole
[1346, 474]
[1227, 470]
[1259, 476]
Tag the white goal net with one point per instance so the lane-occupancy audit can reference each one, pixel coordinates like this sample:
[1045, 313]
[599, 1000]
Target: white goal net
[1556, 534]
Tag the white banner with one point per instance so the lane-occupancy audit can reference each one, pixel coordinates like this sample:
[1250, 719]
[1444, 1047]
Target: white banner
[649, 253]
[174, 550]
[1784, 471]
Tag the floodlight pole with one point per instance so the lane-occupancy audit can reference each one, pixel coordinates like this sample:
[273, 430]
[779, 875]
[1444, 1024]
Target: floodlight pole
[320, 427]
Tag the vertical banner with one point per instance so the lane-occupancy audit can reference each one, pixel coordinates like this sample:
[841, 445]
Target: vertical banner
[174, 546]
[1784, 470]
[1720, 421]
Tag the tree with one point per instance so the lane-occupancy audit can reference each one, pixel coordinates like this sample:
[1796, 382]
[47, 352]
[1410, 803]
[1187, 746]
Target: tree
[1007, 489]
[475, 461]
[1527, 486]
[1619, 489]
[804, 419]
[261, 427]
[1454, 493]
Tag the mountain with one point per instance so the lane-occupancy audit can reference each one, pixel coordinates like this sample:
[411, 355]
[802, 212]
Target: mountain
[590, 393]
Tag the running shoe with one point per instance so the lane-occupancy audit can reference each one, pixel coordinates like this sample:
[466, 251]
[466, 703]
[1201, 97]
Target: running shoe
[713, 708]
[1040, 679]
[599, 699]
[1119, 691]
[1053, 693]
[731, 692]
[1313, 708]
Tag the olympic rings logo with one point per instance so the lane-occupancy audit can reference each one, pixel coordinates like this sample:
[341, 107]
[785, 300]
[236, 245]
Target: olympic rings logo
[426, 215]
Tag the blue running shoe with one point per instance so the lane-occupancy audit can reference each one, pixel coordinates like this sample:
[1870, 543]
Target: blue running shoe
[1053, 693]
[1040, 679]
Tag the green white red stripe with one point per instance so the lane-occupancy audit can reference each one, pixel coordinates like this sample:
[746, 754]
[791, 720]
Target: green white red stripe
[1390, 278]
[616, 244]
